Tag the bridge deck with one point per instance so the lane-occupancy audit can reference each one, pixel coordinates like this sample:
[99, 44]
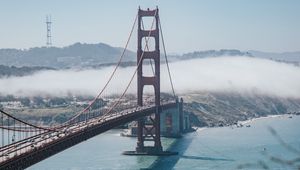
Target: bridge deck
[28, 152]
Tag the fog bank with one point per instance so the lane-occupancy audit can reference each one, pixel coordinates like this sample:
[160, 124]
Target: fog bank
[223, 74]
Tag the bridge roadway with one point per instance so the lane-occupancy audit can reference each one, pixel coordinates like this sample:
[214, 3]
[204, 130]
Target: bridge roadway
[31, 150]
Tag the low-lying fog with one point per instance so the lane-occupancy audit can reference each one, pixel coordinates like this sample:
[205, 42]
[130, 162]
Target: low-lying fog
[222, 74]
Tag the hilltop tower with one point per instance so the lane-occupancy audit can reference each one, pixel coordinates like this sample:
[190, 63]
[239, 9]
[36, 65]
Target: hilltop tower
[48, 26]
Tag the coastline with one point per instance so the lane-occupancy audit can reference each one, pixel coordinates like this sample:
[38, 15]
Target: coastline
[244, 123]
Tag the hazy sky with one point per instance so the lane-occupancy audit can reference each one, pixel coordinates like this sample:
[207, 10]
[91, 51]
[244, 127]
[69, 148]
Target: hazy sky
[189, 25]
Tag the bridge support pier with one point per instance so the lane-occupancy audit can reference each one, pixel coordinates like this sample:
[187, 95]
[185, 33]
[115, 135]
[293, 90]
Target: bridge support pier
[140, 141]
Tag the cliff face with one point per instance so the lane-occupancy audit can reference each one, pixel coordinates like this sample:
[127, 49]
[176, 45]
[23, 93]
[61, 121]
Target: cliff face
[218, 109]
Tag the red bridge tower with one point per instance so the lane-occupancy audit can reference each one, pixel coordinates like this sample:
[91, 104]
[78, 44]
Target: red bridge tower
[152, 81]
[143, 53]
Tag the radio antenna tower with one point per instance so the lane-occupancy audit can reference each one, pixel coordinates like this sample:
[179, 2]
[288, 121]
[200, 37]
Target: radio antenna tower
[48, 23]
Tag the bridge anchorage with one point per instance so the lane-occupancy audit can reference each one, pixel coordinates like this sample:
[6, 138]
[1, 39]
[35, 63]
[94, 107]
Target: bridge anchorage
[146, 132]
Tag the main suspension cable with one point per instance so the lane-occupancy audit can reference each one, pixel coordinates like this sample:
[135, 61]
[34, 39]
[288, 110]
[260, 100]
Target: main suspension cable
[93, 101]
[165, 53]
[139, 62]
[111, 76]
[29, 124]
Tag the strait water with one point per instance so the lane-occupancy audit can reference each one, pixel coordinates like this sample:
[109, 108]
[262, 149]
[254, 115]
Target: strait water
[210, 148]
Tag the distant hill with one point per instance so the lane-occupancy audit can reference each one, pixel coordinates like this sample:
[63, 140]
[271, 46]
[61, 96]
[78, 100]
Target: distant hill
[98, 55]
[213, 53]
[7, 71]
[81, 55]
[76, 55]
[289, 57]
[286, 57]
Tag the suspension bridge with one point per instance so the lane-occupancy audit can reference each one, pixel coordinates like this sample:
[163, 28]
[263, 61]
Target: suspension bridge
[24, 144]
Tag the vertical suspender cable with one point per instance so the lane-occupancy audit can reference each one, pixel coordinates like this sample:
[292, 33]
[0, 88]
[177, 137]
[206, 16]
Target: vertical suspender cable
[8, 130]
[14, 131]
[2, 124]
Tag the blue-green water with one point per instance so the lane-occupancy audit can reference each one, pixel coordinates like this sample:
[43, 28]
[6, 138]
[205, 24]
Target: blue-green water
[211, 148]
